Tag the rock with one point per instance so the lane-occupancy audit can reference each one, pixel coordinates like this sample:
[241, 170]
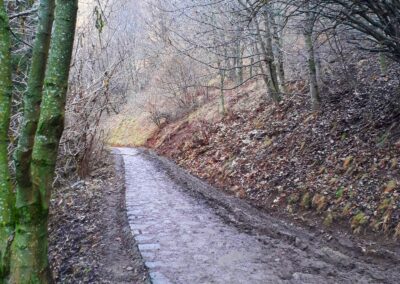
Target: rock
[345, 242]
[300, 244]
[336, 257]
[78, 184]
[305, 278]
[318, 265]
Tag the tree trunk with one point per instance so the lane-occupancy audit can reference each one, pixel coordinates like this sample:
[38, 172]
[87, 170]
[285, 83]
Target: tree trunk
[29, 263]
[312, 70]
[239, 67]
[268, 76]
[318, 68]
[6, 193]
[278, 40]
[272, 92]
[269, 52]
[238, 71]
[221, 94]
[251, 67]
[32, 101]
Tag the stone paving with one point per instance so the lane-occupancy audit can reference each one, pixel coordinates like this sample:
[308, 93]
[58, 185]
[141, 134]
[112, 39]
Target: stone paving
[182, 241]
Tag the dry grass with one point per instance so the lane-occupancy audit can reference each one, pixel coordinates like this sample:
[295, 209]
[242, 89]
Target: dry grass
[130, 130]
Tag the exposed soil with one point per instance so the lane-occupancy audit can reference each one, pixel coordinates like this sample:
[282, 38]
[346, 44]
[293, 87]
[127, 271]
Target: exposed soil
[90, 239]
[338, 168]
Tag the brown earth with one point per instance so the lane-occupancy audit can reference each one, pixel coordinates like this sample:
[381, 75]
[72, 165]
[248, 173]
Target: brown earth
[90, 239]
[338, 167]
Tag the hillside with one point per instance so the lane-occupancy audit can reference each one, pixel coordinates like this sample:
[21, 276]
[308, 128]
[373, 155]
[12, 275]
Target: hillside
[340, 165]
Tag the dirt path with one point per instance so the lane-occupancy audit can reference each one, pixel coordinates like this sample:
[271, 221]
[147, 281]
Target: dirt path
[90, 238]
[189, 233]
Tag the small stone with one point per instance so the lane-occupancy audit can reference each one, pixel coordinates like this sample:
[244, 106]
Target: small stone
[129, 268]
[346, 243]
[300, 244]
[337, 257]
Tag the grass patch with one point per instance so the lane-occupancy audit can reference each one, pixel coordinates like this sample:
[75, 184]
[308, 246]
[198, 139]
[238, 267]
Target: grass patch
[131, 131]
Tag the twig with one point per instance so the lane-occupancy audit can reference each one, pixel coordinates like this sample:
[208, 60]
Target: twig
[24, 13]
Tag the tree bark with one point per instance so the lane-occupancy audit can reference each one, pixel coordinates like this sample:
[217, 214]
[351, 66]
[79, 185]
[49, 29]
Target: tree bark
[269, 51]
[221, 94]
[268, 76]
[312, 70]
[29, 263]
[251, 67]
[32, 101]
[239, 68]
[278, 40]
[6, 193]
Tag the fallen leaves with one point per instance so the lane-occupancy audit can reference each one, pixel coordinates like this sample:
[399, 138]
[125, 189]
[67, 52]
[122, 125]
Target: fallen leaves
[330, 161]
[390, 186]
[347, 161]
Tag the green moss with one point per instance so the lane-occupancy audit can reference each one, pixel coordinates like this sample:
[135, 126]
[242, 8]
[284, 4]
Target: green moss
[329, 219]
[358, 221]
[306, 201]
[385, 204]
[339, 192]
[294, 198]
[346, 210]
[6, 192]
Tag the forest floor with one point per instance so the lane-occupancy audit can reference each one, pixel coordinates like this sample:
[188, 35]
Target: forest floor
[338, 168]
[90, 239]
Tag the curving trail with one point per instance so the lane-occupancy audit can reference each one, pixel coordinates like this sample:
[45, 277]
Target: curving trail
[184, 239]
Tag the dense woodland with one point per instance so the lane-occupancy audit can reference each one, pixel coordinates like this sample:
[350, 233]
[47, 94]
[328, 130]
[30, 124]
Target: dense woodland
[291, 105]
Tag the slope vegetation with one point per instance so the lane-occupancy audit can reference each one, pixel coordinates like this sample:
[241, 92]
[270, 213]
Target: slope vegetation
[338, 166]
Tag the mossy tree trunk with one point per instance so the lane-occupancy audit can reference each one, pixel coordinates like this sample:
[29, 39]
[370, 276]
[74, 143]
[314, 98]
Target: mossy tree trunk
[6, 193]
[32, 101]
[29, 260]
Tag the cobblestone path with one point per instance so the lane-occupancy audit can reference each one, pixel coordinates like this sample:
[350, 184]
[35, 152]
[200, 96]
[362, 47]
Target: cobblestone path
[182, 240]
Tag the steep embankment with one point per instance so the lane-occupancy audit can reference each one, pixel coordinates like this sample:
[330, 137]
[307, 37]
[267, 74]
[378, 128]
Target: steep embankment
[340, 165]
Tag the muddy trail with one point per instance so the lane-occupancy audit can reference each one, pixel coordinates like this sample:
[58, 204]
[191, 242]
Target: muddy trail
[188, 232]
